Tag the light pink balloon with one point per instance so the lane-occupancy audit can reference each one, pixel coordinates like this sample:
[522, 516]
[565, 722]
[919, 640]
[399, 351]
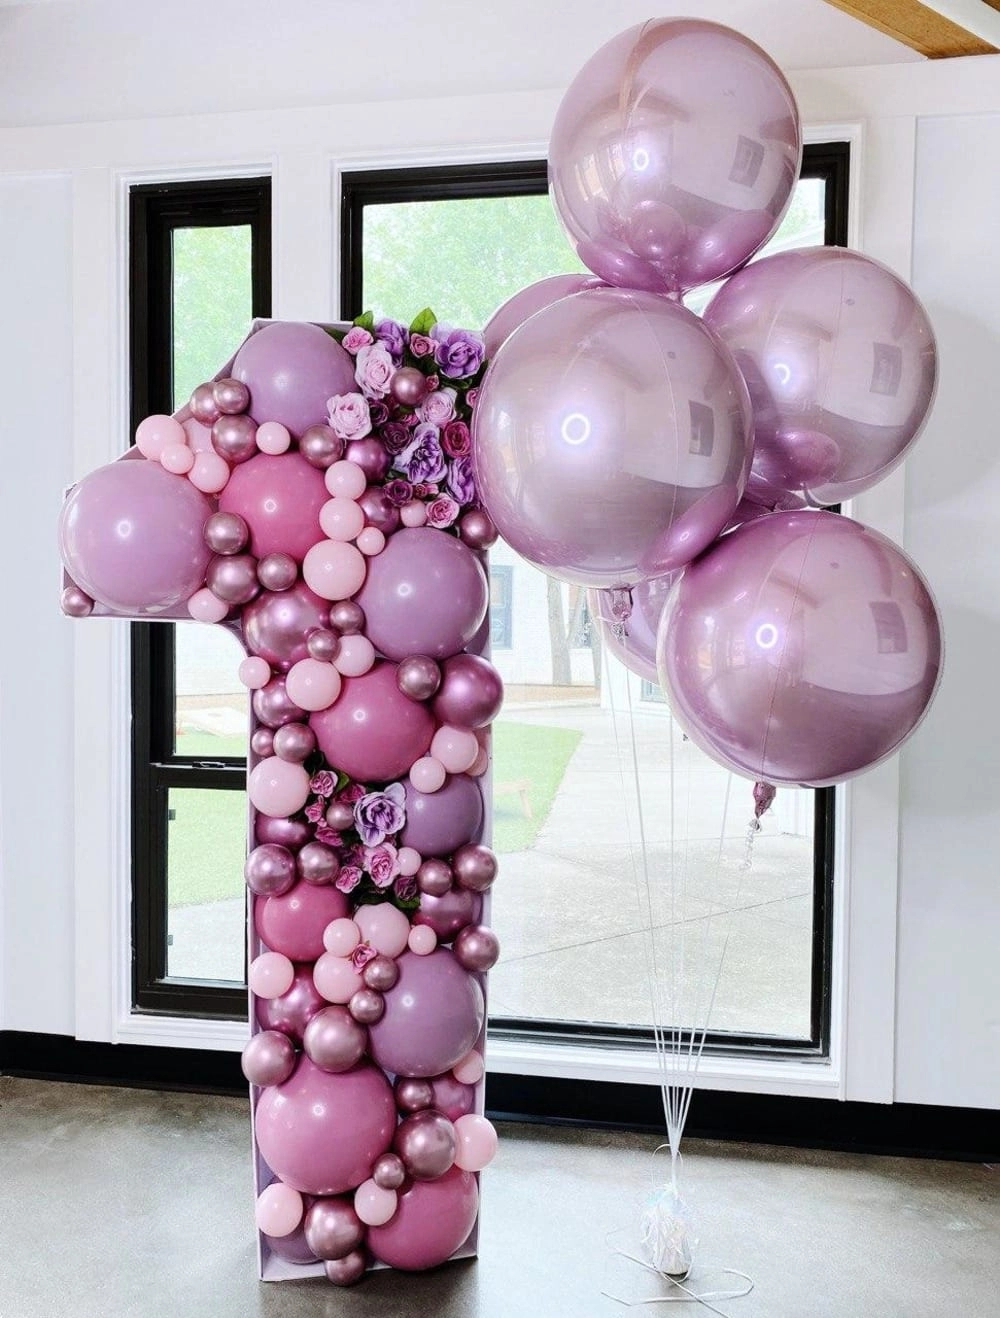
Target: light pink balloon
[336, 979]
[203, 606]
[155, 433]
[312, 684]
[374, 1205]
[334, 570]
[409, 860]
[413, 513]
[516, 310]
[199, 437]
[346, 479]
[341, 518]
[371, 541]
[254, 672]
[209, 473]
[456, 748]
[273, 437]
[278, 788]
[477, 1143]
[279, 1210]
[384, 926]
[270, 975]
[177, 459]
[422, 940]
[470, 1069]
[480, 764]
[341, 937]
[427, 775]
[355, 655]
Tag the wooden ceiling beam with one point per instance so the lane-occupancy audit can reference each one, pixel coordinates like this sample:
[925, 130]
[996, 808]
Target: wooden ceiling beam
[919, 26]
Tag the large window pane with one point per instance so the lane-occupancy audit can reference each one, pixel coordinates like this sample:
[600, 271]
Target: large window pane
[212, 301]
[206, 845]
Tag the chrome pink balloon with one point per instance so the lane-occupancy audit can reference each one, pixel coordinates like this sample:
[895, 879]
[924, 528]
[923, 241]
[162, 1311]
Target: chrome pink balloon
[477, 948]
[516, 310]
[611, 438]
[449, 913]
[841, 363]
[803, 648]
[321, 447]
[433, 1016]
[373, 733]
[226, 533]
[277, 571]
[279, 497]
[334, 1040]
[471, 692]
[76, 603]
[452, 1097]
[277, 624]
[438, 823]
[293, 1011]
[332, 1228]
[418, 676]
[673, 155]
[633, 640]
[432, 1221]
[130, 536]
[475, 866]
[413, 1094]
[272, 704]
[427, 1144]
[291, 369]
[269, 1058]
[270, 870]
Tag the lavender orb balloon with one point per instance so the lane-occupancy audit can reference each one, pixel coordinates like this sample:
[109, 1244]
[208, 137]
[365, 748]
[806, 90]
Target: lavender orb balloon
[293, 1011]
[226, 533]
[230, 396]
[826, 649]
[611, 439]
[290, 833]
[347, 617]
[291, 369]
[432, 1220]
[379, 510]
[477, 529]
[269, 870]
[425, 594]
[475, 866]
[373, 733]
[277, 624]
[418, 676]
[370, 455]
[434, 877]
[412, 1094]
[408, 386]
[235, 438]
[471, 692]
[346, 1271]
[277, 572]
[321, 447]
[674, 154]
[840, 360]
[320, 1132]
[366, 1006]
[452, 1097]
[432, 1018]
[203, 406]
[334, 1040]
[317, 863]
[233, 578]
[449, 913]
[380, 973]
[279, 497]
[76, 603]
[516, 310]
[426, 1145]
[477, 948]
[130, 536]
[389, 1172]
[272, 704]
[294, 742]
[438, 823]
[332, 1228]
[269, 1058]
[632, 640]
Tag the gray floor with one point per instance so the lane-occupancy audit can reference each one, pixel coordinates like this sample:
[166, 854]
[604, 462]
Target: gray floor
[122, 1202]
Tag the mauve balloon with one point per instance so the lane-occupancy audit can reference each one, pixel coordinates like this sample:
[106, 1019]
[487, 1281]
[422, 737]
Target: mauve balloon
[433, 1219]
[371, 455]
[290, 833]
[379, 511]
[425, 594]
[802, 649]
[279, 497]
[277, 624]
[635, 647]
[673, 154]
[291, 369]
[449, 913]
[332, 1228]
[433, 1016]
[130, 536]
[293, 1011]
[471, 692]
[438, 823]
[611, 438]
[516, 310]
[451, 1097]
[373, 733]
[840, 360]
[293, 1248]
[426, 1144]
[269, 870]
[272, 704]
[293, 922]
[320, 1133]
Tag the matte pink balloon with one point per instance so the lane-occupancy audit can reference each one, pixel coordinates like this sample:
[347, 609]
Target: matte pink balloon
[422, 940]
[433, 1219]
[334, 570]
[341, 518]
[433, 1016]
[355, 656]
[278, 1210]
[341, 936]
[336, 978]
[803, 648]
[278, 788]
[673, 154]
[293, 923]
[456, 748]
[270, 975]
[612, 438]
[384, 926]
[279, 497]
[130, 535]
[209, 473]
[477, 1143]
[438, 824]
[471, 692]
[292, 1012]
[273, 437]
[469, 1071]
[291, 369]
[313, 685]
[451, 1096]
[177, 459]
[199, 437]
[203, 606]
[632, 640]
[373, 733]
[449, 913]
[427, 774]
[840, 360]
[516, 310]
[373, 1203]
[320, 1132]
[155, 433]
[425, 594]
[277, 624]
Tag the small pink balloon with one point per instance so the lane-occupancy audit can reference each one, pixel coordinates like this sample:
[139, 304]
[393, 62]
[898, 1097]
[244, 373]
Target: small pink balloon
[262, 742]
[273, 437]
[408, 386]
[456, 748]
[277, 788]
[156, 433]
[367, 1006]
[346, 479]
[380, 974]
[279, 1210]
[277, 572]
[203, 606]
[76, 603]
[434, 877]
[371, 541]
[235, 438]
[209, 473]
[422, 940]
[230, 396]
[374, 1205]
[427, 775]
[341, 937]
[321, 446]
[413, 513]
[355, 655]
[347, 1270]
[293, 741]
[388, 1172]
[334, 570]
[341, 518]
[270, 975]
[226, 533]
[380, 512]
[469, 1071]
[233, 577]
[409, 860]
[313, 685]
[199, 437]
[384, 926]
[317, 863]
[336, 979]
[477, 530]
[477, 1143]
[177, 459]
[451, 1097]
[254, 672]
[347, 617]
[334, 1041]
[370, 455]
[322, 643]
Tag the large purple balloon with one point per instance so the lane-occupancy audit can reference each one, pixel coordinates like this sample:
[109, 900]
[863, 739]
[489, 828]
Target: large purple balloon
[840, 360]
[279, 497]
[293, 1011]
[516, 310]
[803, 648]
[611, 438]
[320, 1132]
[433, 1016]
[130, 535]
[438, 823]
[426, 593]
[674, 154]
[373, 732]
[433, 1220]
[276, 625]
[291, 369]
[633, 641]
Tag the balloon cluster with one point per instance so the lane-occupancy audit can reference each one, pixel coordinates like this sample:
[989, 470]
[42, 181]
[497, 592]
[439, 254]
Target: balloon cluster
[320, 500]
[673, 464]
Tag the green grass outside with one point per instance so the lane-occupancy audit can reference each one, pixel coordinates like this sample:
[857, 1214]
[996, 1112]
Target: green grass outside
[207, 837]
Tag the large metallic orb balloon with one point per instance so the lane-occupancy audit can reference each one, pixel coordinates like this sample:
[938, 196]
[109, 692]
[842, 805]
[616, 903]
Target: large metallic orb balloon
[840, 360]
[803, 648]
[674, 154]
[611, 439]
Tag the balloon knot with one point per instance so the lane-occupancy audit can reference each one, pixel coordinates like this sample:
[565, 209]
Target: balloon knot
[763, 798]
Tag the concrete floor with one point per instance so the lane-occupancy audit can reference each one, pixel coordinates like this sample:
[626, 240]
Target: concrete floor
[120, 1203]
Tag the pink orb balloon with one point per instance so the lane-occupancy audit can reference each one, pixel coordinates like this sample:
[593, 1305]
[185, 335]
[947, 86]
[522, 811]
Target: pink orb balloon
[76, 603]
[317, 863]
[293, 922]
[632, 640]
[279, 497]
[234, 438]
[277, 572]
[291, 369]
[370, 455]
[341, 936]
[477, 948]
[226, 533]
[321, 447]
[278, 788]
[455, 748]
[433, 1219]
[427, 774]
[272, 706]
[380, 513]
[477, 1143]
[516, 310]
[340, 518]
[332, 1228]
[295, 742]
[289, 833]
[346, 1271]
[470, 1070]
[277, 624]
[334, 1040]
[433, 1016]
[203, 406]
[233, 578]
[373, 733]
[278, 1210]
[384, 926]
[426, 1144]
[475, 866]
[269, 870]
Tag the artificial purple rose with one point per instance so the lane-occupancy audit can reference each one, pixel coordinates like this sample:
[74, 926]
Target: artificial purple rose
[395, 337]
[315, 811]
[422, 459]
[380, 814]
[456, 440]
[395, 436]
[459, 353]
[348, 878]
[349, 416]
[382, 863]
[424, 490]
[398, 492]
[362, 954]
[405, 887]
[438, 407]
[323, 783]
[421, 345]
[461, 483]
[373, 370]
[442, 512]
[329, 836]
[355, 339]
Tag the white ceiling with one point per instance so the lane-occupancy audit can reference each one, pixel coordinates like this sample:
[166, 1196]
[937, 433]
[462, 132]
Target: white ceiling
[90, 60]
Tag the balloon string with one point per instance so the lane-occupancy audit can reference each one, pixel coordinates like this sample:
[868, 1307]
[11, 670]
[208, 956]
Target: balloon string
[688, 1295]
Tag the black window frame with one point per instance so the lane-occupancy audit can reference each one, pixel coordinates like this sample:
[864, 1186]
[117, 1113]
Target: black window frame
[829, 161]
[155, 212]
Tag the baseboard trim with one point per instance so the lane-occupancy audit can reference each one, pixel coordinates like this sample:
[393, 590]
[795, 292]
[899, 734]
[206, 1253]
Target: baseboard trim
[901, 1129]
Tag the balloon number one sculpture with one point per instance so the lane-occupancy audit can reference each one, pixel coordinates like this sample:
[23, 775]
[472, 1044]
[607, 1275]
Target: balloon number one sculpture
[318, 498]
